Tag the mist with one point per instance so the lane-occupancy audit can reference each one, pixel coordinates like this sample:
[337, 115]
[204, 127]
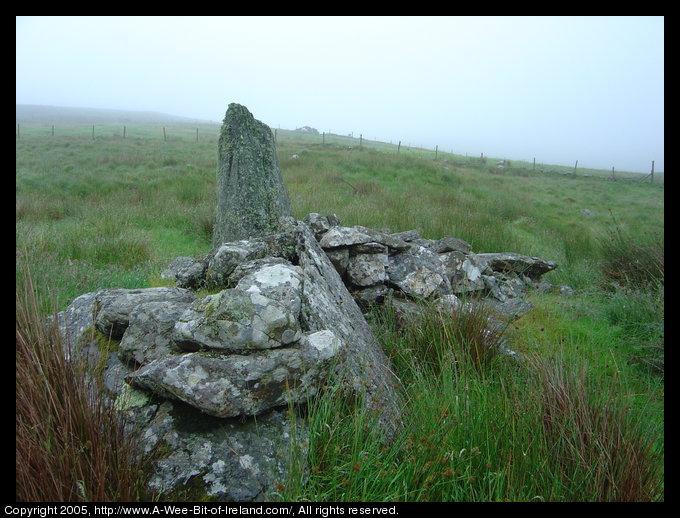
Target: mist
[557, 89]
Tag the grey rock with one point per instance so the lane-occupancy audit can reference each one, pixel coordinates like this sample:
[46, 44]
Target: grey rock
[251, 198]
[358, 235]
[281, 282]
[464, 271]
[371, 295]
[237, 460]
[242, 385]
[149, 335]
[76, 324]
[369, 248]
[505, 286]
[450, 244]
[224, 260]
[345, 236]
[187, 272]
[327, 304]
[509, 310]
[407, 235]
[321, 224]
[339, 257]
[236, 320]
[365, 270]
[252, 266]
[418, 273]
[532, 267]
[114, 307]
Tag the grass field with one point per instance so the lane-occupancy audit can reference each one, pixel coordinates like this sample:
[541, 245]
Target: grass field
[582, 420]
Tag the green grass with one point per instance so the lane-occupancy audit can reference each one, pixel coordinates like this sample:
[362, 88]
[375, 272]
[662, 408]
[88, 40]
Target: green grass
[113, 212]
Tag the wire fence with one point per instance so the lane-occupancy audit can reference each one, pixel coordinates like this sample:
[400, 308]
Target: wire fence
[207, 132]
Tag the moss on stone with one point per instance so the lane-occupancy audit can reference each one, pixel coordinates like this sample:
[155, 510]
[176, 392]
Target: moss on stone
[251, 197]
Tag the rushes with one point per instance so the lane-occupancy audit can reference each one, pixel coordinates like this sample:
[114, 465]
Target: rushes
[599, 452]
[70, 444]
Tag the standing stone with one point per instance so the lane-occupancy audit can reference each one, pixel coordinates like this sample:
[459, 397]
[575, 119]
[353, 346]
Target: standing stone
[251, 197]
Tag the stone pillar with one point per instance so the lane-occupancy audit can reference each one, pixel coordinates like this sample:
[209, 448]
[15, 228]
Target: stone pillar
[251, 197]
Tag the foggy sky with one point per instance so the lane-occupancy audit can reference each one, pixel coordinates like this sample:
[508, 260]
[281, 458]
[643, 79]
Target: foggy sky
[559, 89]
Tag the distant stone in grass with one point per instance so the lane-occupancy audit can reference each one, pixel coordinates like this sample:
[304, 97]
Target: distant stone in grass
[251, 198]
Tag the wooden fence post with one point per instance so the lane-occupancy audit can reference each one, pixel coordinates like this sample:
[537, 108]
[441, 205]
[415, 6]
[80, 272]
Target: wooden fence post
[398, 147]
[361, 139]
[164, 137]
[651, 179]
[53, 130]
[18, 130]
[93, 132]
[436, 150]
[575, 166]
[196, 134]
[534, 164]
[124, 130]
[323, 138]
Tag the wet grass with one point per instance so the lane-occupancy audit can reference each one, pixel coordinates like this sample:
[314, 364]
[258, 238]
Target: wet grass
[113, 212]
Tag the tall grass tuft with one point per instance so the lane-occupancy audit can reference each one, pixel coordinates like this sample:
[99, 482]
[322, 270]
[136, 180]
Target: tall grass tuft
[598, 450]
[633, 262]
[71, 445]
[464, 336]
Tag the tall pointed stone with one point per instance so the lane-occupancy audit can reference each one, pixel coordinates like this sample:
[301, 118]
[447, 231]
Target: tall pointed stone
[251, 197]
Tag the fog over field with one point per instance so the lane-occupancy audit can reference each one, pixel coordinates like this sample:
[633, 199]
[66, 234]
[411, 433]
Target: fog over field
[558, 89]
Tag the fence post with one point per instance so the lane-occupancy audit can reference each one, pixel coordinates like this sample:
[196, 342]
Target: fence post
[124, 129]
[534, 164]
[613, 177]
[196, 134]
[398, 147]
[93, 132]
[575, 166]
[361, 138]
[323, 138]
[18, 130]
[651, 179]
[53, 130]
[164, 137]
[436, 150]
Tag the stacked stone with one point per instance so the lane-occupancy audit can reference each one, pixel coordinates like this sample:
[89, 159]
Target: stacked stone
[374, 263]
